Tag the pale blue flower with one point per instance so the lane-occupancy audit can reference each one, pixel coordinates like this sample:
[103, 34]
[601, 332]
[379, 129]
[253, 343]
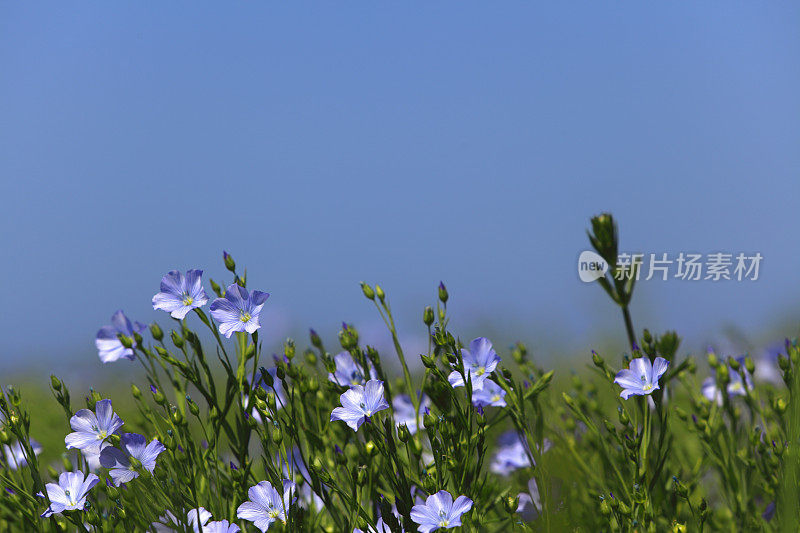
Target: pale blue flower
[491, 394]
[530, 504]
[512, 453]
[479, 362]
[238, 310]
[70, 492]
[220, 527]
[134, 446]
[360, 403]
[440, 511]
[109, 347]
[180, 294]
[91, 429]
[15, 455]
[403, 411]
[266, 504]
[197, 518]
[348, 373]
[641, 378]
[736, 386]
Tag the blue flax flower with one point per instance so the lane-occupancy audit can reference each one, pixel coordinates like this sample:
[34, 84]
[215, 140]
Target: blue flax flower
[440, 511]
[360, 403]
[180, 294]
[348, 373]
[109, 347]
[91, 430]
[736, 387]
[641, 378]
[403, 411]
[479, 362]
[15, 455]
[135, 451]
[238, 310]
[512, 453]
[491, 395]
[266, 504]
[198, 518]
[69, 493]
[530, 504]
[220, 527]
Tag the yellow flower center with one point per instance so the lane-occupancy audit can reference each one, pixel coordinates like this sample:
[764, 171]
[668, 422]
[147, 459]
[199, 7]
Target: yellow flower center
[187, 300]
[245, 317]
[481, 371]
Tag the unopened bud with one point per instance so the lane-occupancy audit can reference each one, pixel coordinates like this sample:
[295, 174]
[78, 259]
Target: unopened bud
[230, 264]
[379, 293]
[443, 296]
[155, 331]
[55, 383]
[177, 340]
[427, 315]
[367, 290]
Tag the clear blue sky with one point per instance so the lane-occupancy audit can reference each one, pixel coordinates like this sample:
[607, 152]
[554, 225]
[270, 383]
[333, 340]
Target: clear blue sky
[326, 143]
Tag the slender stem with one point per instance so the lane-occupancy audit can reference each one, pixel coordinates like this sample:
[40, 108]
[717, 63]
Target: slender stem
[629, 326]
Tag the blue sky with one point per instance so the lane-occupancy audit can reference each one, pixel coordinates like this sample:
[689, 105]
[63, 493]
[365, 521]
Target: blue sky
[326, 143]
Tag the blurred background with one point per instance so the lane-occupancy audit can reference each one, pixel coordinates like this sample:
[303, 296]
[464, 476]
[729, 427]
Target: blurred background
[323, 144]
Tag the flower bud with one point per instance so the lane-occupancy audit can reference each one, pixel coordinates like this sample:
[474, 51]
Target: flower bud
[511, 504]
[597, 360]
[158, 396]
[177, 418]
[316, 341]
[604, 237]
[193, 408]
[215, 287]
[605, 509]
[427, 315]
[379, 293]
[713, 362]
[230, 264]
[55, 383]
[428, 360]
[367, 290]
[723, 375]
[733, 363]
[112, 492]
[126, 341]
[136, 392]
[155, 331]
[749, 365]
[783, 362]
[371, 449]
[429, 421]
[403, 433]
[177, 340]
[443, 296]
[288, 349]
